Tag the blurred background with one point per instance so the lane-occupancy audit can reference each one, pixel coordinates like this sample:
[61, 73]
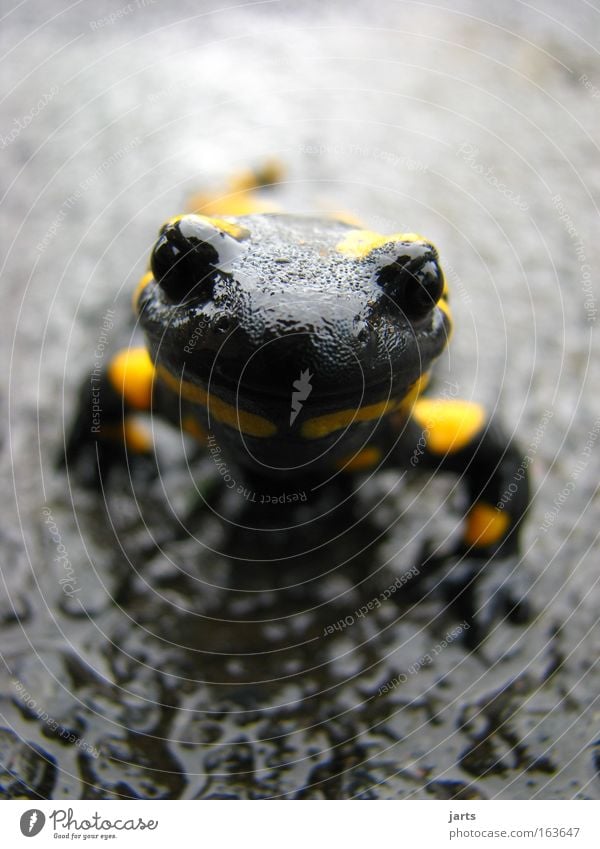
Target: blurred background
[474, 123]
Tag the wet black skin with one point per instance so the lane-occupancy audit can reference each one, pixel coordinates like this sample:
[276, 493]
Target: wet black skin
[235, 313]
[243, 317]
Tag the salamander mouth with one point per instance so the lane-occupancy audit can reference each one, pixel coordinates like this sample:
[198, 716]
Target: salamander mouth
[306, 384]
[332, 379]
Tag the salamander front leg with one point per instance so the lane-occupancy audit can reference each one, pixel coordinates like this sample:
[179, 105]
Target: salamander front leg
[457, 437]
[105, 431]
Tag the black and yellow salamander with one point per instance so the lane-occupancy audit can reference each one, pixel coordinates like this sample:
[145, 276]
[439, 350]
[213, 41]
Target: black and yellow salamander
[301, 347]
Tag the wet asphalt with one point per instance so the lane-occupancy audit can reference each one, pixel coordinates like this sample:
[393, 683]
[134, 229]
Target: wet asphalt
[139, 662]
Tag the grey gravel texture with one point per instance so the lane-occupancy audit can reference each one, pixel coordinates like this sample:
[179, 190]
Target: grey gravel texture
[170, 673]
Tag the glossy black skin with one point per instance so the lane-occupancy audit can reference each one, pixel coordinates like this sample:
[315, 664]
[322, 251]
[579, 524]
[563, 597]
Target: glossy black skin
[233, 312]
[244, 317]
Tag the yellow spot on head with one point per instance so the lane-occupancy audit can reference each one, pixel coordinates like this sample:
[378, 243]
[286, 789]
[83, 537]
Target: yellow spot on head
[131, 373]
[236, 231]
[360, 243]
[449, 425]
[443, 305]
[445, 308]
[147, 278]
[486, 525]
[446, 289]
[231, 228]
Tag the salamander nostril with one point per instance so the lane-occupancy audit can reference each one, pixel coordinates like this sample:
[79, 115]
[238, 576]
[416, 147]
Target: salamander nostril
[222, 323]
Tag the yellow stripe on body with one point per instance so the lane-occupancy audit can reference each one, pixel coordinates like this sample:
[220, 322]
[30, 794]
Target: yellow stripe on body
[194, 428]
[320, 426]
[419, 386]
[243, 203]
[247, 423]
[240, 197]
[364, 459]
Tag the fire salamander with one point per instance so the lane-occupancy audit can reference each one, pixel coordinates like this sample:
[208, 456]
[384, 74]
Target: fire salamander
[300, 349]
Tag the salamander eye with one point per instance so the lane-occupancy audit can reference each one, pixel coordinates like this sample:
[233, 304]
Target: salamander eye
[414, 279]
[187, 256]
